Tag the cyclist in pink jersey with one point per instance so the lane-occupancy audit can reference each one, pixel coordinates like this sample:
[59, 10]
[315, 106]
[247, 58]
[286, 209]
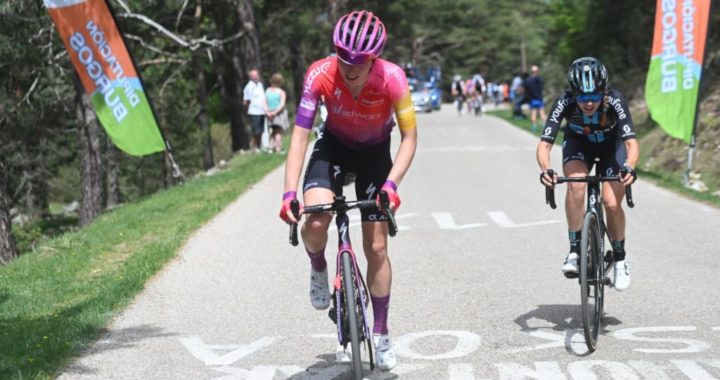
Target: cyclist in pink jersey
[362, 93]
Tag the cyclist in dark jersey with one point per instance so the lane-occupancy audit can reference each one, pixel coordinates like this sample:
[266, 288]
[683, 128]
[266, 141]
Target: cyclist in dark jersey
[598, 125]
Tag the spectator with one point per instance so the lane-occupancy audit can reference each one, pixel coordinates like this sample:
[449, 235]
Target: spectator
[254, 99]
[534, 89]
[277, 115]
[517, 93]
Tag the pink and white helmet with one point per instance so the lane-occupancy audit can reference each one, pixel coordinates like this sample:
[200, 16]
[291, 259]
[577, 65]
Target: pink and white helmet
[359, 37]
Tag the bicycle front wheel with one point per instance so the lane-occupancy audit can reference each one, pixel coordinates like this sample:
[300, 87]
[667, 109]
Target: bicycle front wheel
[591, 281]
[351, 308]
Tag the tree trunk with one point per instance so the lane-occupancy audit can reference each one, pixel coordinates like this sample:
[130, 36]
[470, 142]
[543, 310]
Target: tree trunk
[250, 41]
[230, 78]
[8, 250]
[35, 185]
[112, 168]
[90, 161]
[208, 160]
[298, 66]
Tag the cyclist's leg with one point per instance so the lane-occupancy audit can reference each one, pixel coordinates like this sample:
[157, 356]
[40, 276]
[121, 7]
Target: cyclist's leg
[322, 180]
[575, 155]
[613, 194]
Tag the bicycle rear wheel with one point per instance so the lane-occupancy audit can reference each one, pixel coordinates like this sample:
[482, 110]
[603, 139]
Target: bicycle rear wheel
[351, 308]
[591, 280]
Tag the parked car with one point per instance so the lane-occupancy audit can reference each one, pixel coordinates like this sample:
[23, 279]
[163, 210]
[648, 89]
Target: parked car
[421, 96]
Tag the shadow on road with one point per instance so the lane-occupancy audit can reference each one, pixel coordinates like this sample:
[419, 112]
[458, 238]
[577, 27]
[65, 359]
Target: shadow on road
[565, 319]
[328, 368]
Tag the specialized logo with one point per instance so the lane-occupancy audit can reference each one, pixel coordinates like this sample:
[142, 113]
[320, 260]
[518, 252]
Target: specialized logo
[370, 191]
[337, 170]
[322, 69]
[338, 92]
[343, 231]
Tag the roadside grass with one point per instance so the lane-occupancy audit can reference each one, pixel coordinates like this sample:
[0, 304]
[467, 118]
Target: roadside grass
[59, 298]
[671, 182]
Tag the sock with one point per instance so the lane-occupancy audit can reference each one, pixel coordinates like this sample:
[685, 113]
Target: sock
[380, 306]
[317, 260]
[574, 237]
[619, 249]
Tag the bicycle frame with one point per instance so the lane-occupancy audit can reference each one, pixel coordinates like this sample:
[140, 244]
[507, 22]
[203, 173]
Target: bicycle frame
[344, 245]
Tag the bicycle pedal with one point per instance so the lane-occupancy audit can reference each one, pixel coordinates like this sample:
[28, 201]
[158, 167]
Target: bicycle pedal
[571, 275]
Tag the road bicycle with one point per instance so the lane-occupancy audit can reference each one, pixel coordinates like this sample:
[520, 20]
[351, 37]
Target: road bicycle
[349, 310]
[593, 262]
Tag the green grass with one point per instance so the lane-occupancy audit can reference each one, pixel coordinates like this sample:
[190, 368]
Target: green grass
[58, 299]
[671, 182]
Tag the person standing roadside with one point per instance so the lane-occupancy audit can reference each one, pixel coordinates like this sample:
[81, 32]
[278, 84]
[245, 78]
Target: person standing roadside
[276, 112]
[254, 99]
[534, 89]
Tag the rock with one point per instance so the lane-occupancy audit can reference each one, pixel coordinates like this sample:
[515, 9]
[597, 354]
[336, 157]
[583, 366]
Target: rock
[697, 185]
[21, 219]
[212, 171]
[222, 164]
[717, 193]
[71, 209]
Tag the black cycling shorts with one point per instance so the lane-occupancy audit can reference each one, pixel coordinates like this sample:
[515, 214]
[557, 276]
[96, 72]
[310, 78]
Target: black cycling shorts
[330, 162]
[611, 153]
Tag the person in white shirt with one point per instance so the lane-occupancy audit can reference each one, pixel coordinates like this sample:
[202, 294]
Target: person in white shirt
[254, 99]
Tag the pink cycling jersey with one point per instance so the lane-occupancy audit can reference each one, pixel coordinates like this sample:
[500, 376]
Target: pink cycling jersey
[361, 122]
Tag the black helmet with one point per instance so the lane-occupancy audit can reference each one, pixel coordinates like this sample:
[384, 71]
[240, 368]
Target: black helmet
[587, 75]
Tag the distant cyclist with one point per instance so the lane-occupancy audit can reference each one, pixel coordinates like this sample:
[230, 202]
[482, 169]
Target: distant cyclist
[458, 91]
[598, 125]
[362, 92]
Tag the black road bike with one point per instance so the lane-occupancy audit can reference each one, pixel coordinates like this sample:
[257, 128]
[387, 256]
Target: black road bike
[350, 294]
[593, 262]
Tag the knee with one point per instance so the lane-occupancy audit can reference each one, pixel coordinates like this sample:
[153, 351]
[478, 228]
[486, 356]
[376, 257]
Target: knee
[376, 251]
[612, 206]
[317, 224]
[576, 190]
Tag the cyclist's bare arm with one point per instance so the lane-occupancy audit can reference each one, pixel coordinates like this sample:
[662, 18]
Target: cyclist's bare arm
[404, 156]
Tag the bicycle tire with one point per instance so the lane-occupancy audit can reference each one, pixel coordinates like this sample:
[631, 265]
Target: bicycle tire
[591, 280]
[348, 285]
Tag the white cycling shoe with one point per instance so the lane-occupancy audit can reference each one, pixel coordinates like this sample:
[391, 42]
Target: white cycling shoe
[621, 275]
[385, 359]
[570, 267]
[319, 293]
[343, 355]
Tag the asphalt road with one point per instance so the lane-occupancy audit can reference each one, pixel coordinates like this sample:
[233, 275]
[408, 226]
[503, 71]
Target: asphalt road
[477, 288]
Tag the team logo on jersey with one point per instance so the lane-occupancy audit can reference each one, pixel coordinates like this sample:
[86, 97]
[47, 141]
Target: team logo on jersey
[338, 110]
[338, 92]
[371, 103]
[322, 69]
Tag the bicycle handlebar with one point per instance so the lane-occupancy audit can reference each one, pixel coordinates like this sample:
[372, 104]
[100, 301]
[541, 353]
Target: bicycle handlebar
[550, 192]
[342, 205]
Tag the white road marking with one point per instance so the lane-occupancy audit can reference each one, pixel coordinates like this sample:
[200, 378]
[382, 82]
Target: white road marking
[572, 340]
[583, 370]
[542, 371]
[467, 343]
[258, 372]
[501, 219]
[461, 371]
[694, 371]
[446, 222]
[206, 352]
[692, 345]
[325, 336]
[499, 148]
[651, 370]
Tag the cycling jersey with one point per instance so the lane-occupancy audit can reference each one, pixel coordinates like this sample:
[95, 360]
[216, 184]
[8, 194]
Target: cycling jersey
[361, 122]
[612, 119]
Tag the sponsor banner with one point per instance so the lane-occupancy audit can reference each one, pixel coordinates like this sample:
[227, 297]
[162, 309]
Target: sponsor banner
[673, 79]
[106, 70]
